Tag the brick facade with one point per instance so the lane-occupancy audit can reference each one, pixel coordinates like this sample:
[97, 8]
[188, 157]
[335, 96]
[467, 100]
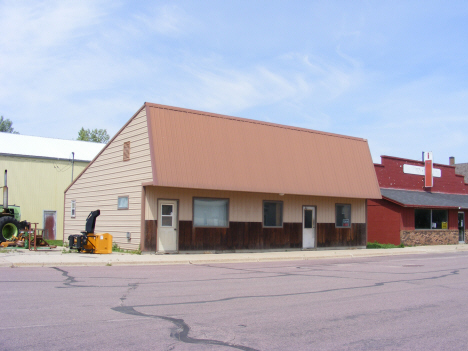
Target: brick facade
[391, 222]
[390, 175]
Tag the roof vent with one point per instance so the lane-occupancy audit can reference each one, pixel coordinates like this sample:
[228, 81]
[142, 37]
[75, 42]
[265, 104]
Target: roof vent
[126, 151]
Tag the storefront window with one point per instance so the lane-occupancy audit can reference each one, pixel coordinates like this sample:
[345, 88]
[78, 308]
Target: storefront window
[430, 219]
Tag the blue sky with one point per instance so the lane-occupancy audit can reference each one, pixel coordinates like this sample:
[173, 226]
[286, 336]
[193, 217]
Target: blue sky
[392, 72]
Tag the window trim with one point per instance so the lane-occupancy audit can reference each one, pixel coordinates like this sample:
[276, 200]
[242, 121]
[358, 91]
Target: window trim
[350, 215]
[282, 213]
[210, 198]
[73, 209]
[128, 202]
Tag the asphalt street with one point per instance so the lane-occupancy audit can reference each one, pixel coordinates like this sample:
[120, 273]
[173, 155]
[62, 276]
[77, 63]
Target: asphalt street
[411, 302]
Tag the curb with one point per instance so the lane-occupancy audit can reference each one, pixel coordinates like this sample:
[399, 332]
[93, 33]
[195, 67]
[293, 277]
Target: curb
[87, 260]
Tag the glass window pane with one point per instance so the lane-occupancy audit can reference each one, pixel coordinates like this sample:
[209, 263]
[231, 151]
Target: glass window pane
[272, 214]
[308, 219]
[439, 219]
[166, 221]
[210, 213]
[166, 210]
[461, 227]
[422, 219]
[343, 216]
[122, 202]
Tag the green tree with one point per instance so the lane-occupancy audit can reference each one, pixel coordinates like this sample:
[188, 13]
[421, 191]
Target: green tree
[6, 126]
[95, 135]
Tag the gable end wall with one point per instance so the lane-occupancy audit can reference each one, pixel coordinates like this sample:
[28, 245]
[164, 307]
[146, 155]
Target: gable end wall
[109, 177]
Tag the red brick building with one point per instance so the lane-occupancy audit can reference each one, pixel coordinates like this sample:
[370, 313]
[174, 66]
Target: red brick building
[413, 214]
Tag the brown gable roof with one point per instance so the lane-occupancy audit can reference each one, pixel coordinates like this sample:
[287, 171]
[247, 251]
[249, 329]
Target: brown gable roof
[193, 149]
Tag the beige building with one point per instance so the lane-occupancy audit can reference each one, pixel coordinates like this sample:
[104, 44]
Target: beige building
[176, 180]
[39, 171]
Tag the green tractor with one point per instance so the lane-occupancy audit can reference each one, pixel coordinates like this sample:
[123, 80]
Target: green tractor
[10, 217]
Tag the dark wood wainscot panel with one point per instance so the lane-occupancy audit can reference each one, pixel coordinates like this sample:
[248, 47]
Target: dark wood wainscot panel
[252, 236]
[239, 236]
[151, 232]
[330, 236]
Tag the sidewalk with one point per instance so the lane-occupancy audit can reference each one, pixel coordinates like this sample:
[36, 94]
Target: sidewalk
[55, 257]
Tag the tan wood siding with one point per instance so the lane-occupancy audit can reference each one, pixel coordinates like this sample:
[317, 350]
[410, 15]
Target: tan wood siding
[247, 207]
[109, 177]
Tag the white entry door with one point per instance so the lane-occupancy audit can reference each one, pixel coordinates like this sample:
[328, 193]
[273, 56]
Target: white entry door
[167, 226]
[308, 227]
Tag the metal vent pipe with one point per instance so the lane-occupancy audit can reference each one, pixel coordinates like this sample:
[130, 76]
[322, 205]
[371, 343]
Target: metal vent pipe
[5, 193]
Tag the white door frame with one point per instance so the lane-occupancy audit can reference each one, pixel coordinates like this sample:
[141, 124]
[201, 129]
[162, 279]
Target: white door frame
[313, 229]
[175, 226]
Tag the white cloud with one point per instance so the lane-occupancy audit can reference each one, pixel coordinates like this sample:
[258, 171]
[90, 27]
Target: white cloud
[289, 79]
[35, 43]
[74, 54]
[418, 116]
[38, 26]
[60, 70]
[69, 64]
[168, 20]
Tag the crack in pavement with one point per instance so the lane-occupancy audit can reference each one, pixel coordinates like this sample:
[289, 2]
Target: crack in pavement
[131, 287]
[312, 271]
[178, 323]
[70, 279]
[184, 329]
[454, 272]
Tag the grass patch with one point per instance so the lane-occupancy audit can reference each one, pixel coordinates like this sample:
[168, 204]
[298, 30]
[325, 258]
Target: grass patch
[376, 245]
[10, 249]
[116, 248]
[55, 242]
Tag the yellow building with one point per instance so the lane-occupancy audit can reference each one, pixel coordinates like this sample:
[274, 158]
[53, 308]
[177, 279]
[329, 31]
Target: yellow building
[39, 171]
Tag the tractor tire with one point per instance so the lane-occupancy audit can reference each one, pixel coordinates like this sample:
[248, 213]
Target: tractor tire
[9, 228]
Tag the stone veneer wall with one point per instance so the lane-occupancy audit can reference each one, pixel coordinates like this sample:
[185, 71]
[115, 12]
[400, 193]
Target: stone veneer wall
[462, 168]
[428, 237]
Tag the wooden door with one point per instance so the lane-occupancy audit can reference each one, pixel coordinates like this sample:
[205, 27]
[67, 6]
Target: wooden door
[167, 226]
[49, 224]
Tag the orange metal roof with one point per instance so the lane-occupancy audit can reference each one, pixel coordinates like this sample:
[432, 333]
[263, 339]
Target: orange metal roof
[193, 149]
